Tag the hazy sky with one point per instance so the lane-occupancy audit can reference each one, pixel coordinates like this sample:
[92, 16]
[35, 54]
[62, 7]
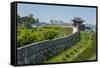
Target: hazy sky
[64, 13]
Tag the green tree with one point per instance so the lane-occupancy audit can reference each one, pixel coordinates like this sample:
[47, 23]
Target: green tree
[26, 21]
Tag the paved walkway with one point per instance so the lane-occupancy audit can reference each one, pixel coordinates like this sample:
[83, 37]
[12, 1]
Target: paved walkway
[74, 29]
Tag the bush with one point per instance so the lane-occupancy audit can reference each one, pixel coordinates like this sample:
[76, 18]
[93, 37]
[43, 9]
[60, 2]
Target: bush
[26, 36]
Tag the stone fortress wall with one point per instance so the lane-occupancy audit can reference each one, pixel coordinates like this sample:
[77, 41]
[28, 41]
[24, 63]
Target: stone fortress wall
[36, 53]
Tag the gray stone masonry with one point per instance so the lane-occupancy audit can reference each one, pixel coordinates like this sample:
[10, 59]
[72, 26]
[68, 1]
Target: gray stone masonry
[36, 53]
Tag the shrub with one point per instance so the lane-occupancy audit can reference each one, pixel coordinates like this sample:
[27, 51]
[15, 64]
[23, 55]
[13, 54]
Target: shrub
[26, 36]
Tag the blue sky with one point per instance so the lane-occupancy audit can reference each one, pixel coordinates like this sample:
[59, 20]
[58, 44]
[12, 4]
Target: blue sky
[64, 13]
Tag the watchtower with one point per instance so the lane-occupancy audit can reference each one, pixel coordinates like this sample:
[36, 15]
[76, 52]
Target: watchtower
[78, 22]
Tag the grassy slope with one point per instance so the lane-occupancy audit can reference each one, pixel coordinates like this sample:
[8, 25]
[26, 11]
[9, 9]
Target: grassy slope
[26, 36]
[82, 51]
[62, 31]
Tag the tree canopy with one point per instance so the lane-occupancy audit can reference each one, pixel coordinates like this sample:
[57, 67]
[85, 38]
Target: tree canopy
[26, 21]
